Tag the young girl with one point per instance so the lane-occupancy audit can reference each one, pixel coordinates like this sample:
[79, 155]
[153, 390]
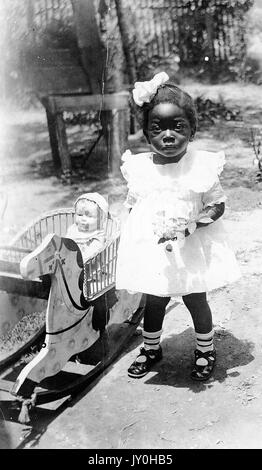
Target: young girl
[89, 229]
[172, 242]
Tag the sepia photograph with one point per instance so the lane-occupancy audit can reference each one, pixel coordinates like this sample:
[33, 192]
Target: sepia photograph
[131, 228]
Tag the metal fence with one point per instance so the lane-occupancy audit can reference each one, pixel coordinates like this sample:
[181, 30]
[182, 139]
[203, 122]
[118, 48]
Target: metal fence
[190, 33]
[190, 30]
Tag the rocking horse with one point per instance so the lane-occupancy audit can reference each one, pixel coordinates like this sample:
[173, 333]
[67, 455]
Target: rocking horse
[69, 315]
[87, 321]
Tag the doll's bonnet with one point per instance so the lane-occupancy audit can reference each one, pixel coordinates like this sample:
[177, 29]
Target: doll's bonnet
[101, 203]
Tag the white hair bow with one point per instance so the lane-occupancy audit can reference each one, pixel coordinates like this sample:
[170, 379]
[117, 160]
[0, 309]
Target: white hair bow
[144, 91]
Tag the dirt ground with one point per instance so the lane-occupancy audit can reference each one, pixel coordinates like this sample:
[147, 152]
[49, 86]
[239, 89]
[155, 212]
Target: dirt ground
[165, 409]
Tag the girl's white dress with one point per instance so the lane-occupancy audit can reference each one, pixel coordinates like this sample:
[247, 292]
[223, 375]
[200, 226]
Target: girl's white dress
[182, 189]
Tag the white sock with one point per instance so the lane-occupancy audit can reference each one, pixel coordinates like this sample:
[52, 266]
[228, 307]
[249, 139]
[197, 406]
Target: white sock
[204, 341]
[151, 340]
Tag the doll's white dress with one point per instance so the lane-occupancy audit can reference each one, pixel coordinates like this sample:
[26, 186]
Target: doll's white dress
[205, 261]
[90, 243]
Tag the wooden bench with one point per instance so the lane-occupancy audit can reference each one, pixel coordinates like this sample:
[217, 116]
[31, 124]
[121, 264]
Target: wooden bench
[114, 109]
[71, 77]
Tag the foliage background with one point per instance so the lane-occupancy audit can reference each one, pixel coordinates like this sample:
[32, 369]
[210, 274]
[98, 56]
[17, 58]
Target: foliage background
[52, 26]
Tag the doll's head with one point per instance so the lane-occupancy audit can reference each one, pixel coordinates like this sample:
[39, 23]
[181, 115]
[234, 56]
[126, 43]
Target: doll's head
[167, 115]
[91, 211]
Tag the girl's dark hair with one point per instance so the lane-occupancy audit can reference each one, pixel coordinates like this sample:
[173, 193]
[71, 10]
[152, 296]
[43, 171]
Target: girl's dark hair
[167, 93]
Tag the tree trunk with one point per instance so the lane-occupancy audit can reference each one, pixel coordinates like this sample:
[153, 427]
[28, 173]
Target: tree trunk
[89, 43]
[126, 42]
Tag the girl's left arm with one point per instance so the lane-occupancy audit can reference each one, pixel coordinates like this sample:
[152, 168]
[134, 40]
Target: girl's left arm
[213, 202]
[213, 206]
[212, 212]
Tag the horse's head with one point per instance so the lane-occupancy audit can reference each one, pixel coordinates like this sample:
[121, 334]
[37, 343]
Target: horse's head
[43, 259]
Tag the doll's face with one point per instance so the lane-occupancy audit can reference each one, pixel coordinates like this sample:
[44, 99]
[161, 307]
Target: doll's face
[86, 216]
[169, 131]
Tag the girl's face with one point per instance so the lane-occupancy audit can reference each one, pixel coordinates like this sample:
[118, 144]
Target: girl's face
[86, 217]
[169, 131]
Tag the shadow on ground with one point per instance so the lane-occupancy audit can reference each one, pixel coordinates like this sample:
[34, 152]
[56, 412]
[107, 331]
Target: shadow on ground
[173, 370]
[178, 359]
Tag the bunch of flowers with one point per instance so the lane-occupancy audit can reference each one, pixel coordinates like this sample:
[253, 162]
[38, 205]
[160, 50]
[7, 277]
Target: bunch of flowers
[174, 230]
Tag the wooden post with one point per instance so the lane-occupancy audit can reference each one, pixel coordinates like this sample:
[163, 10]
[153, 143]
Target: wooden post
[116, 123]
[58, 138]
[53, 138]
[118, 138]
[63, 147]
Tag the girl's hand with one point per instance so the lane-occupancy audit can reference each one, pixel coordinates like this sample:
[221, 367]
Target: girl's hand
[192, 226]
[177, 240]
[177, 236]
[210, 214]
[174, 229]
[169, 227]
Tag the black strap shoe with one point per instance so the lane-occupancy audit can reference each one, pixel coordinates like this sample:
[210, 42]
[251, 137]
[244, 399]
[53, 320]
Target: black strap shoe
[204, 365]
[144, 361]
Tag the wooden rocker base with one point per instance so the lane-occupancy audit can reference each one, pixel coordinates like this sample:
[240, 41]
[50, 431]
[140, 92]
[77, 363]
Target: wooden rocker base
[87, 324]
[80, 371]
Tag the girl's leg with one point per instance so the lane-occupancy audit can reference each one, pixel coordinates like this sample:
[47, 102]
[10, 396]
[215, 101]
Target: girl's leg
[205, 354]
[151, 351]
[200, 311]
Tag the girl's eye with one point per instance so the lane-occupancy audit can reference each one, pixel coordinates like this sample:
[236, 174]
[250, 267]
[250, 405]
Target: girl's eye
[179, 126]
[155, 128]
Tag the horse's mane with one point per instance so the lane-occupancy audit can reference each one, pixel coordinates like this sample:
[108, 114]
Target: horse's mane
[71, 245]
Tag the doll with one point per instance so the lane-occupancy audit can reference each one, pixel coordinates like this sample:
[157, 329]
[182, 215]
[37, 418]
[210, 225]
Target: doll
[89, 229]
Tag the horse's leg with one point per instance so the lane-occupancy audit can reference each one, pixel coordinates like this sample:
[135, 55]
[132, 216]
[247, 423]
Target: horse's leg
[125, 306]
[102, 307]
[58, 347]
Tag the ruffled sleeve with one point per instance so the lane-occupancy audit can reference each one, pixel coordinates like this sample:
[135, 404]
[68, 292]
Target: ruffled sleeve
[135, 171]
[126, 170]
[215, 195]
[212, 164]
[205, 168]
[127, 166]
